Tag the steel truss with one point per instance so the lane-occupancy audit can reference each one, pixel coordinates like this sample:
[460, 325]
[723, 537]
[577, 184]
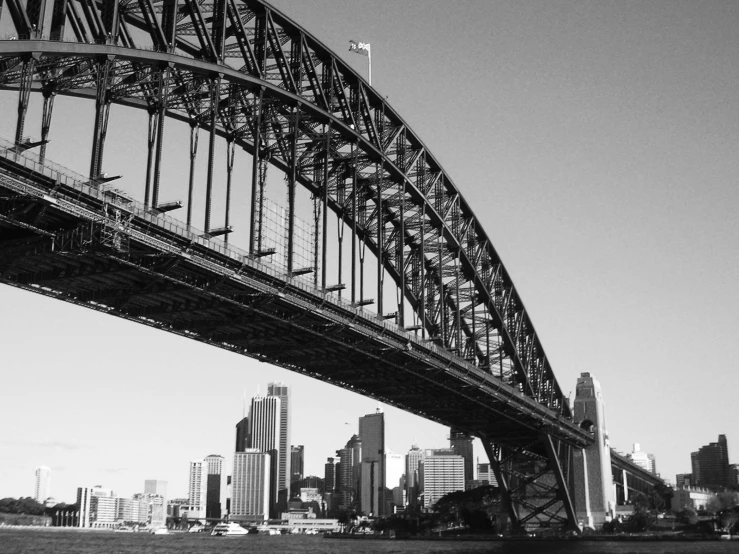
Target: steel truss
[241, 70]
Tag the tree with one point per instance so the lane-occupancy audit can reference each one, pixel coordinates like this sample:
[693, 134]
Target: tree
[25, 505]
[723, 501]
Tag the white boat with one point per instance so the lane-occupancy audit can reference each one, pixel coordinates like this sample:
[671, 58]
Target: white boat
[228, 529]
[160, 531]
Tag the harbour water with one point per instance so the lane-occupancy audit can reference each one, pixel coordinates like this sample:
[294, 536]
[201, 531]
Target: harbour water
[60, 541]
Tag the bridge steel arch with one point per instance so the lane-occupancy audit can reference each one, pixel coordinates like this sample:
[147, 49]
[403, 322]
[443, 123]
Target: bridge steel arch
[244, 72]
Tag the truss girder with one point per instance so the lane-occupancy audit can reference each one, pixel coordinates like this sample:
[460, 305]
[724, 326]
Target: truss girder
[165, 281]
[465, 300]
[253, 76]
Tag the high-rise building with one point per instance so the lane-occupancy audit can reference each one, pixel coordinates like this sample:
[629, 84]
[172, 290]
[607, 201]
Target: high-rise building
[215, 486]
[642, 459]
[394, 469]
[97, 507]
[329, 475]
[197, 490]
[297, 454]
[486, 475]
[242, 435]
[155, 492]
[153, 486]
[461, 443]
[349, 466]
[264, 429]
[441, 472]
[43, 484]
[683, 480]
[372, 474]
[250, 486]
[284, 474]
[711, 464]
[412, 482]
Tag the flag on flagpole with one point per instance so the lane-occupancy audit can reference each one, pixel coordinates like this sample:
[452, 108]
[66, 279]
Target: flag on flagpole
[362, 48]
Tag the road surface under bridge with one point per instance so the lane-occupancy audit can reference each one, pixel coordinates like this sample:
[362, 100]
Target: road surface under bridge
[445, 336]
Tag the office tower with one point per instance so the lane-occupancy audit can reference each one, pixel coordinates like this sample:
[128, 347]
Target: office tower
[156, 493]
[350, 463]
[242, 435]
[394, 469]
[264, 428]
[197, 490]
[284, 474]
[153, 486]
[711, 464]
[372, 474]
[683, 480]
[412, 460]
[329, 475]
[213, 499]
[461, 443]
[642, 459]
[313, 482]
[297, 454]
[97, 506]
[733, 474]
[43, 484]
[441, 472]
[250, 486]
[486, 475]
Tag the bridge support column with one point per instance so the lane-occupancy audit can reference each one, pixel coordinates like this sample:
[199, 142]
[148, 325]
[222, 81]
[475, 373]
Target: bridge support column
[24, 94]
[593, 483]
[49, 92]
[102, 111]
[194, 128]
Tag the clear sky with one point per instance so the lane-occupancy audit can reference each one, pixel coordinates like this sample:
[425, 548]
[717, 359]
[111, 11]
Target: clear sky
[597, 142]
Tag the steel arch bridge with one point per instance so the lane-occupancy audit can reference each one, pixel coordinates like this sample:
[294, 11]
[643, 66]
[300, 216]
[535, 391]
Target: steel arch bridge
[452, 342]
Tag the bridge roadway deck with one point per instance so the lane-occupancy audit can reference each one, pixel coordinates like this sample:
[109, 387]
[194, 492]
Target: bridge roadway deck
[82, 243]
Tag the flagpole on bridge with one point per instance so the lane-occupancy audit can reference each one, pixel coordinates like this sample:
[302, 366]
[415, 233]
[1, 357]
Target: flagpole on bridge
[363, 48]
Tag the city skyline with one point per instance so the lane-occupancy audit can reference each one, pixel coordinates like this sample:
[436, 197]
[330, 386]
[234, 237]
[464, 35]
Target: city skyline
[597, 148]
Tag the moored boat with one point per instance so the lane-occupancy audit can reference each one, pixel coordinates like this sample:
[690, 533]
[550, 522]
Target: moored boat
[228, 529]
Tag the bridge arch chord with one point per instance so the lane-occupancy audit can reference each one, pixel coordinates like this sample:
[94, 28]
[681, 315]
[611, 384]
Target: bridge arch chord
[315, 113]
[243, 71]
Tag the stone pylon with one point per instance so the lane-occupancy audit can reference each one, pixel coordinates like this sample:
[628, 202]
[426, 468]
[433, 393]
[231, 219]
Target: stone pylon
[594, 496]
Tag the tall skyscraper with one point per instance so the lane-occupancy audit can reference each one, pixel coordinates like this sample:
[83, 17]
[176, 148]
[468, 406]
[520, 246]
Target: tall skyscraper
[215, 472]
[349, 466]
[242, 435]
[394, 469]
[250, 487]
[153, 486]
[297, 456]
[42, 490]
[152, 489]
[329, 475]
[284, 474]
[372, 490]
[642, 459]
[264, 428]
[197, 490]
[461, 443]
[442, 472]
[711, 464]
[486, 475]
[412, 478]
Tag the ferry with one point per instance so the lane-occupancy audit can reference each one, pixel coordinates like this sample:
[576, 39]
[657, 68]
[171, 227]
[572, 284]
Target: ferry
[228, 530]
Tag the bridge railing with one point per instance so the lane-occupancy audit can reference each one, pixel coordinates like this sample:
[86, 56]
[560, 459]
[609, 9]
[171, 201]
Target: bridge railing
[113, 197]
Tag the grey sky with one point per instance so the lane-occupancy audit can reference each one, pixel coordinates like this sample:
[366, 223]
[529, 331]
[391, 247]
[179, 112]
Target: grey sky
[597, 142]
